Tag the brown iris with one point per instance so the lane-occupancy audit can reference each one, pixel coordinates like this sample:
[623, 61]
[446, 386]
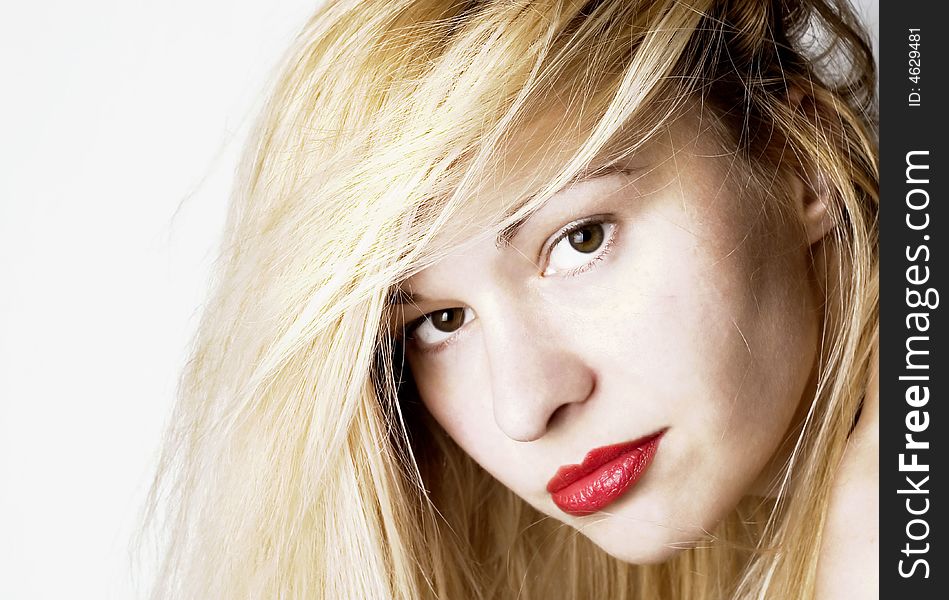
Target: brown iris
[448, 320]
[587, 238]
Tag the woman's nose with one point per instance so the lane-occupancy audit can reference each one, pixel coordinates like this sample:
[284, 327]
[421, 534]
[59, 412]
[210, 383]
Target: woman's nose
[533, 374]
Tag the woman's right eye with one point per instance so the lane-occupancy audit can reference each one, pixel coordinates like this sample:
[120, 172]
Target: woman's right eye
[437, 327]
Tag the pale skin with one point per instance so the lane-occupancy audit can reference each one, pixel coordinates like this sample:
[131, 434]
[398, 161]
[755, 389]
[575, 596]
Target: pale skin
[849, 554]
[667, 306]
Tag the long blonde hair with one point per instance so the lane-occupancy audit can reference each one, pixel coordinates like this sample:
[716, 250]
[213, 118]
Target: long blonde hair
[299, 465]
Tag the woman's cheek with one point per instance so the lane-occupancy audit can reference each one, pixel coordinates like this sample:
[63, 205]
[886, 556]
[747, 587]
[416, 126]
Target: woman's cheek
[454, 386]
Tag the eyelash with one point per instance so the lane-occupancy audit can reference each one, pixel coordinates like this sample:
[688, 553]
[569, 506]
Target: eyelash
[607, 246]
[409, 330]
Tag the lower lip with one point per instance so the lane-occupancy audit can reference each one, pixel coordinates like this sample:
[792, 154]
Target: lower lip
[619, 467]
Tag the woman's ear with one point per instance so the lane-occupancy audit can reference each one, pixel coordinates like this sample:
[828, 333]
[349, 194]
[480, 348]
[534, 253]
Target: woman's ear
[810, 190]
[812, 197]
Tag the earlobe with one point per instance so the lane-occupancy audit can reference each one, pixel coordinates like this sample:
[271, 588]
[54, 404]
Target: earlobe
[812, 199]
[816, 214]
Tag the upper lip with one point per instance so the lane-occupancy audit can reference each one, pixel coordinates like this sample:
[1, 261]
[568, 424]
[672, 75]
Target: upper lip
[593, 460]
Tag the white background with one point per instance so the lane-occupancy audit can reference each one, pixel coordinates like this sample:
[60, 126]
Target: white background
[120, 125]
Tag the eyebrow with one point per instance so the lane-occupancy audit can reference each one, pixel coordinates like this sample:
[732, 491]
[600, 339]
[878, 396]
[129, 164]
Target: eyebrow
[401, 297]
[510, 232]
[507, 234]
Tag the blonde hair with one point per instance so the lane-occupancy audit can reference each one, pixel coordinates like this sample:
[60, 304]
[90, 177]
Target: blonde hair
[297, 464]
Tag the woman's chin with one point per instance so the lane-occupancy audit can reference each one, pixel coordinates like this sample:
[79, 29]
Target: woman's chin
[647, 546]
[645, 556]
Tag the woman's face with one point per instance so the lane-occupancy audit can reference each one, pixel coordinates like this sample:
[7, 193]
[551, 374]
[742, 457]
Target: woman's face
[648, 308]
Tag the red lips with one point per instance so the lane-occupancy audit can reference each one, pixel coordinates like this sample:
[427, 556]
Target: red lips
[603, 476]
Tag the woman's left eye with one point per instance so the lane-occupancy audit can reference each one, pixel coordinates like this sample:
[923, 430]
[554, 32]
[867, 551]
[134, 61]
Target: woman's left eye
[437, 327]
[578, 247]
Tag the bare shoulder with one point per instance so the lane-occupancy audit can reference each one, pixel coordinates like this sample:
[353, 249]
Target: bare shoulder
[848, 564]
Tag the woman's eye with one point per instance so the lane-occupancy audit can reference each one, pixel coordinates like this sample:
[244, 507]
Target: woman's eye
[438, 326]
[578, 247]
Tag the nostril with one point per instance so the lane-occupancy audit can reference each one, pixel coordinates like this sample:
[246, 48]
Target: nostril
[559, 416]
[567, 410]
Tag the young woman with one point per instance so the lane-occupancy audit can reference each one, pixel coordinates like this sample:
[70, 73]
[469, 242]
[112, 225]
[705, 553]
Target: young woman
[542, 299]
